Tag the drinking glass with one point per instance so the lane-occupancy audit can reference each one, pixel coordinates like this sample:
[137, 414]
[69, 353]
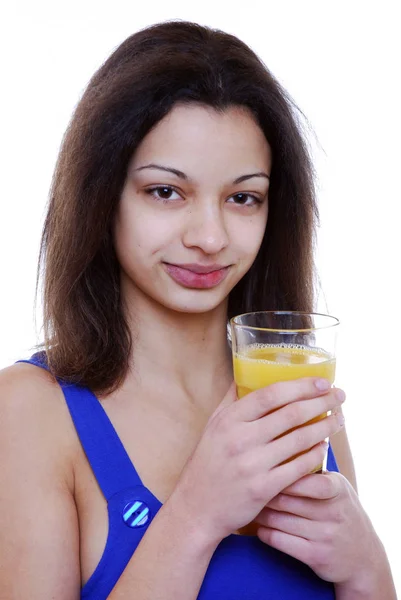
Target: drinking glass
[272, 346]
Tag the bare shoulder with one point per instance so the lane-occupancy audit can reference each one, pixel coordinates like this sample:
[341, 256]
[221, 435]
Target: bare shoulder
[38, 520]
[33, 407]
[22, 381]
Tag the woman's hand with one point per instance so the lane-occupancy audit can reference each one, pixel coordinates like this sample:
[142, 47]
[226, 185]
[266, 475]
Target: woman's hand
[320, 521]
[236, 468]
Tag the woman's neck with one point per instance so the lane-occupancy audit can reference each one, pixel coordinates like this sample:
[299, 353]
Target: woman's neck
[183, 354]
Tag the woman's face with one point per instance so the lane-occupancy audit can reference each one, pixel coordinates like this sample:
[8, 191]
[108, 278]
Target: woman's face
[194, 208]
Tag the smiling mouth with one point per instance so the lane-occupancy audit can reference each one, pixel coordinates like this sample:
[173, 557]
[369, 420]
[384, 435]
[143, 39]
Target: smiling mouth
[197, 276]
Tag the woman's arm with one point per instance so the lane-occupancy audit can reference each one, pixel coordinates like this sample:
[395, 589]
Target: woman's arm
[39, 532]
[374, 582]
[171, 561]
[39, 536]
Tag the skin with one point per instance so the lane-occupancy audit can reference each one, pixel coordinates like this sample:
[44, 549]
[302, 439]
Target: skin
[165, 405]
[204, 220]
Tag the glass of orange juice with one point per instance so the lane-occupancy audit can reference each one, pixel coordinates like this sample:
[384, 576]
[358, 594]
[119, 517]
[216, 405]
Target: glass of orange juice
[272, 346]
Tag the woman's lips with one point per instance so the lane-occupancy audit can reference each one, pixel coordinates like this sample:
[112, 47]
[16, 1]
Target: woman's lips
[196, 276]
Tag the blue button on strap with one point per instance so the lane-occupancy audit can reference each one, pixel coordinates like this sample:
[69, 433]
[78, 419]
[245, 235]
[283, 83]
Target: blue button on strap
[136, 514]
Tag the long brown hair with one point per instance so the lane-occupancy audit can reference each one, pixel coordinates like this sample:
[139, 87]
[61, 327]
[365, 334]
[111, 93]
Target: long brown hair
[87, 339]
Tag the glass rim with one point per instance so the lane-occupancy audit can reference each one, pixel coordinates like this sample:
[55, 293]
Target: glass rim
[285, 312]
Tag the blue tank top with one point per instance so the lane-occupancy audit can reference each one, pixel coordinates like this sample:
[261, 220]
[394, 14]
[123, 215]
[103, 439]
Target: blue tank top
[241, 568]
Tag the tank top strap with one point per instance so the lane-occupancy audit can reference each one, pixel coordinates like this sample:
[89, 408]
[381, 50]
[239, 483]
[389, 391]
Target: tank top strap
[331, 460]
[104, 450]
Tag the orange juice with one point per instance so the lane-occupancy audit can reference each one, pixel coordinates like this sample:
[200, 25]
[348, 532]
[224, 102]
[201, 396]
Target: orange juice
[260, 365]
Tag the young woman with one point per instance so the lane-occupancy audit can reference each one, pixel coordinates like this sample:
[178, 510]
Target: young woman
[183, 195]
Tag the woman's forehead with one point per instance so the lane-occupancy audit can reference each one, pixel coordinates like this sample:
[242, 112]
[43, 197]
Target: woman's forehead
[195, 138]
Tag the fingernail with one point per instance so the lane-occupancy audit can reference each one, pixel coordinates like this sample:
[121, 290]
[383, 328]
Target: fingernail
[341, 420]
[340, 395]
[322, 384]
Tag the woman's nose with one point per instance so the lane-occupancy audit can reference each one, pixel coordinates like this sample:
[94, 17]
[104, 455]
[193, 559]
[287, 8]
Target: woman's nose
[206, 230]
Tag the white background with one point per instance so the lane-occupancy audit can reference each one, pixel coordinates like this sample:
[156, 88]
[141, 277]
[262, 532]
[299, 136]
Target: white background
[340, 62]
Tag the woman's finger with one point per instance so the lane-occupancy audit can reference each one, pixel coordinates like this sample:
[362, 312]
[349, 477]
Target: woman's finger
[296, 414]
[261, 402]
[283, 475]
[294, 546]
[321, 486]
[303, 438]
[288, 523]
[309, 508]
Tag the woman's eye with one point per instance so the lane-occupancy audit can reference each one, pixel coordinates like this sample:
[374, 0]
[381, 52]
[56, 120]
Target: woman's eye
[164, 193]
[243, 199]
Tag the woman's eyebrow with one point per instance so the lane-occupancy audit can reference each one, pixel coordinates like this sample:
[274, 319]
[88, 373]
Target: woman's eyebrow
[245, 177]
[161, 168]
[182, 175]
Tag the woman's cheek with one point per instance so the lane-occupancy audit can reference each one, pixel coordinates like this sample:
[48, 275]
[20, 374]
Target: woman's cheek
[249, 239]
[138, 227]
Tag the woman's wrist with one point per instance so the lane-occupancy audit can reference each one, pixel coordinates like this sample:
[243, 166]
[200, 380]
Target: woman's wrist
[181, 518]
[372, 581]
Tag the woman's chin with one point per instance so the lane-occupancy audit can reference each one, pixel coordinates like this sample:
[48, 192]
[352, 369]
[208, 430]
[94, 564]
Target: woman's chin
[196, 308]
[194, 302]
